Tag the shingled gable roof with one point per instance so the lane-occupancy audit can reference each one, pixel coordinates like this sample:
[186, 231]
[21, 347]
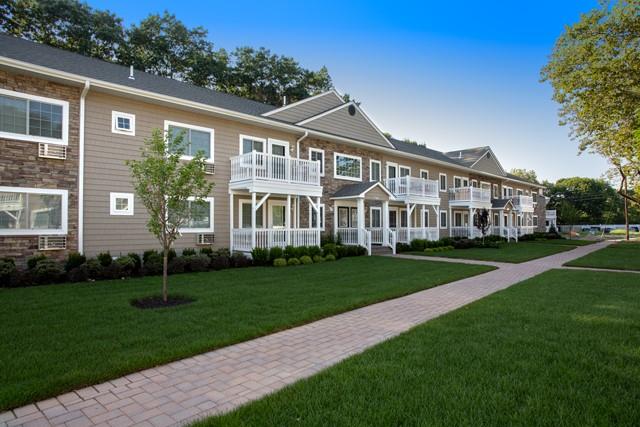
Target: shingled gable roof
[359, 190]
[471, 156]
[501, 203]
[307, 107]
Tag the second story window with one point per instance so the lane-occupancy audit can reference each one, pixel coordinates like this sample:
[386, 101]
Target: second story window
[374, 170]
[405, 171]
[33, 118]
[347, 167]
[317, 155]
[194, 139]
[123, 123]
[496, 191]
[424, 174]
[443, 182]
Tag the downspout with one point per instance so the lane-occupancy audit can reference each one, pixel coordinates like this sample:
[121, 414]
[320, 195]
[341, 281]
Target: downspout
[81, 169]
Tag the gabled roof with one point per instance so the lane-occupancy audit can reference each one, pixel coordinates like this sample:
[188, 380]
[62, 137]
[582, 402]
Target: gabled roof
[307, 107]
[421, 150]
[473, 158]
[347, 120]
[501, 203]
[70, 62]
[359, 190]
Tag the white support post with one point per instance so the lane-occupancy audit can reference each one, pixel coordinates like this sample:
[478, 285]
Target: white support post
[318, 219]
[470, 223]
[408, 211]
[287, 221]
[423, 232]
[253, 220]
[385, 223]
[437, 209]
[231, 220]
[335, 220]
[360, 205]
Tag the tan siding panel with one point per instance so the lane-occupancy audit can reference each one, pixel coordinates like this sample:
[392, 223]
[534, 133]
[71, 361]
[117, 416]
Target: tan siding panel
[342, 123]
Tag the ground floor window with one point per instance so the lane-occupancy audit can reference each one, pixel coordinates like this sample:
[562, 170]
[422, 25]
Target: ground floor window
[376, 218]
[200, 216]
[443, 219]
[313, 217]
[393, 219]
[403, 218]
[33, 211]
[347, 217]
[245, 215]
[535, 220]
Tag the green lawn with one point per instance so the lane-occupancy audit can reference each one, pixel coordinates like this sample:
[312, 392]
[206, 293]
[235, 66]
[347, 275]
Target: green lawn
[508, 252]
[564, 242]
[619, 256]
[57, 338]
[561, 349]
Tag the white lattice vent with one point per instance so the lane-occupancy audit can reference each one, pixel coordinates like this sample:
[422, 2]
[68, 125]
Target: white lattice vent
[52, 243]
[205, 239]
[52, 151]
[209, 168]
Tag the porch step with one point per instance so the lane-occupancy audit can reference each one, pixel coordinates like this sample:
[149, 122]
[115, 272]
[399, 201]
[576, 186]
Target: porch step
[380, 250]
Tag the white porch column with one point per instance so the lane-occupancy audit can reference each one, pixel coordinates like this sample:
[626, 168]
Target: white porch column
[335, 219]
[385, 222]
[287, 221]
[319, 218]
[423, 232]
[360, 218]
[231, 220]
[253, 220]
[437, 209]
[470, 223]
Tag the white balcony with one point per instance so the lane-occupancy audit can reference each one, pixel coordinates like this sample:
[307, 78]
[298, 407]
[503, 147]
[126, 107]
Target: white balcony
[414, 190]
[261, 172]
[470, 196]
[523, 203]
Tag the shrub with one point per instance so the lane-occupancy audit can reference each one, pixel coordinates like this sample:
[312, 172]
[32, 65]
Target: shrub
[8, 271]
[329, 249]
[198, 263]
[149, 254]
[224, 252]
[342, 251]
[137, 262]
[318, 259]
[220, 262]
[301, 251]
[34, 260]
[330, 257]
[275, 253]
[113, 271]
[279, 262]
[78, 274]
[260, 256]
[293, 261]
[305, 260]
[74, 260]
[314, 251]
[22, 279]
[464, 244]
[126, 264]
[94, 269]
[47, 271]
[418, 245]
[176, 265]
[206, 251]
[188, 252]
[104, 258]
[171, 255]
[152, 266]
[402, 247]
[289, 252]
[326, 238]
[240, 260]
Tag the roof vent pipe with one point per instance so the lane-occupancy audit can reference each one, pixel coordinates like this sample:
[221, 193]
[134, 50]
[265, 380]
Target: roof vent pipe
[284, 101]
[460, 155]
[131, 72]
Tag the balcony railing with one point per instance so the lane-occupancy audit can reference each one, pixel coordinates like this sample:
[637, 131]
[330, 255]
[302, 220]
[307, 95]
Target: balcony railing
[274, 237]
[470, 194]
[269, 167]
[409, 186]
[523, 202]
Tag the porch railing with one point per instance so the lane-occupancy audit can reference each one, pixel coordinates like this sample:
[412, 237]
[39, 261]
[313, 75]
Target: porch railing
[269, 167]
[412, 186]
[377, 235]
[407, 234]
[550, 214]
[506, 232]
[469, 232]
[526, 229]
[274, 237]
[470, 194]
[391, 238]
[355, 236]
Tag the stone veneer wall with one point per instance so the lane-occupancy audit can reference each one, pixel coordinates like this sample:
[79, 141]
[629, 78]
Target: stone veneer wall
[20, 165]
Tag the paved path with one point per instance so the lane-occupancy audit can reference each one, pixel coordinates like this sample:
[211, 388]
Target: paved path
[223, 379]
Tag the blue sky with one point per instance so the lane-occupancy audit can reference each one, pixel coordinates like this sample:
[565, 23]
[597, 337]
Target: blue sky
[453, 74]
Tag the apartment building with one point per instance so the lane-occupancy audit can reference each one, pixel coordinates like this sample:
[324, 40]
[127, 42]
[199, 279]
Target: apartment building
[281, 175]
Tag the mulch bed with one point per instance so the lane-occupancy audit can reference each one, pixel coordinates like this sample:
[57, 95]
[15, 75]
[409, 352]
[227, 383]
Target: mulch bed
[157, 302]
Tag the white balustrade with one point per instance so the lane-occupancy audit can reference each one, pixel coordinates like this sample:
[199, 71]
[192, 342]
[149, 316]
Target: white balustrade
[470, 194]
[274, 237]
[412, 186]
[269, 167]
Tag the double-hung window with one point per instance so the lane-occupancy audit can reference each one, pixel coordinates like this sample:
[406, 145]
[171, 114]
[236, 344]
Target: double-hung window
[405, 171]
[443, 181]
[424, 174]
[33, 118]
[347, 217]
[317, 155]
[194, 139]
[33, 211]
[314, 217]
[200, 216]
[347, 167]
[443, 219]
[375, 167]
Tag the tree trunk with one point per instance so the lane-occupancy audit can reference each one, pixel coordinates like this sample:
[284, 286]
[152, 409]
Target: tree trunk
[165, 264]
[626, 219]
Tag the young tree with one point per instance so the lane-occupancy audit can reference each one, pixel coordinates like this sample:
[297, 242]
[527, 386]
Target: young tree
[483, 222]
[165, 184]
[569, 214]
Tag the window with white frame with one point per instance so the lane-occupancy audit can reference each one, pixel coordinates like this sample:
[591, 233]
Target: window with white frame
[313, 217]
[375, 220]
[405, 171]
[457, 182]
[33, 118]
[123, 123]
[507, 192]
[317, 155]
[519, 192]
[245, 215]
[534, 196]
[347, 217]
[535, 220]
[347, 167]
[426, 217]
[375, 166]
[200, 214]
[33, 211]
[424, 174]
[121, 203]
[474, 183]
[496, 191]
[392, 170]
[443, 181]
[194, 139]
[252, 143]
[443, 219]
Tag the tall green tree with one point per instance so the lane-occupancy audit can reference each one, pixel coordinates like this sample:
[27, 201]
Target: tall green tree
[526, 174]
[594, 70]
[165, 183]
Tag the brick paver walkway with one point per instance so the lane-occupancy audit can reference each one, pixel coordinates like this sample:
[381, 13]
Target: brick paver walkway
[223, 379]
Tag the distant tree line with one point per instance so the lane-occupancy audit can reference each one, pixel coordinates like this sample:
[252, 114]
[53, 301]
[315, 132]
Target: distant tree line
[163, 45]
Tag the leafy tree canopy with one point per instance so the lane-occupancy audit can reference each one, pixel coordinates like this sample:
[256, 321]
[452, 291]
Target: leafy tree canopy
[163, 45]
[526, 174]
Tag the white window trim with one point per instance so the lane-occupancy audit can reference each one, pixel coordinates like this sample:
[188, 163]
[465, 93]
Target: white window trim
[404, 167]
[386, 169]
[495, 188]
[272, 141]
[446, 216]
[371, 162]
[211, 213]
[168, 123]
[535, 222]
[446, 183]
[40, 232]
[424, 170]
[33, 138]
[254, 138]
[371, 209]
[345, 178]
[114, 123]
[476, 181]
[485, 183]
[112, 204]
[324, 159]
[462, 181]
[323, 217]
[535, 199]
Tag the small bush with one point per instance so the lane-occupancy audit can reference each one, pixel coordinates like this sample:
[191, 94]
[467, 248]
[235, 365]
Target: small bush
[22, 279]
[464, 244]
[318, 259]
[306, 260]
[402, 247]
[105, 259]
[188, 252]
[8, 272]
[330, 257]
[34, 260]
[260, 256]
[74, 260]
[113, 271]
[293, 261]
[152, 266]
[94, 269]
[78, 274]
[302, 251]
[206, 251]
[240, 260]
[149, 254]
[220, 262]
[418, 245]
[327, 238]
[314, 251]
[47, 271]
[137, 262]
[198, 263]
[275, 253]
[329, 249]
[290, 252]
[177, 265]
[279, 262]
[224, 252]
[127, 265]
[342, 251]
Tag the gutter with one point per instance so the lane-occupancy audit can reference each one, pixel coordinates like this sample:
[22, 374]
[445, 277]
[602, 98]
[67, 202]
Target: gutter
[298, 141]
[81, 132]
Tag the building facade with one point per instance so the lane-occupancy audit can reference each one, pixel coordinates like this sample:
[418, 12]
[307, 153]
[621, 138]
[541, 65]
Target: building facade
[282, 176]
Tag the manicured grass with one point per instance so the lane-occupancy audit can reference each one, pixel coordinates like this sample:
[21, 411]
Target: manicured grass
[61, 337]
[564, 242]
[507, 252]
[619, 256]
[557, 350]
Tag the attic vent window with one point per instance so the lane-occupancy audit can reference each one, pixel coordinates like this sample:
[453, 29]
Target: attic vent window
[352, 110]
[488, 155]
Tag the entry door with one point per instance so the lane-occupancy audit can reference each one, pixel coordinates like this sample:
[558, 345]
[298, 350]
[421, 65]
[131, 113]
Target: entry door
[393, 218]
[277, 218]
[466, 219]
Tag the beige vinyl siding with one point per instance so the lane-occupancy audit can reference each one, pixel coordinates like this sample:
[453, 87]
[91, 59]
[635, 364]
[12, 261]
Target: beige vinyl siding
[105, 171]
[340, 122]
[296, 113]
[488, 165]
